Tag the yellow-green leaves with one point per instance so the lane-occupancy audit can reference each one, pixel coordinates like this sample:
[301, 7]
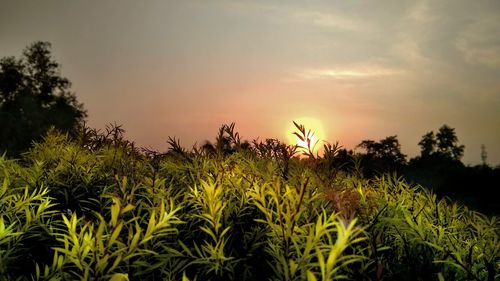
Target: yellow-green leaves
[310, 276]
[300, 247]
[22, 211]
[119, 277]
[3, 188]
[107, 247]
[6, 232]
[162, 221]
[115, 211]
[239, 216]
[114, 233]
[331, 257]
[210, 208]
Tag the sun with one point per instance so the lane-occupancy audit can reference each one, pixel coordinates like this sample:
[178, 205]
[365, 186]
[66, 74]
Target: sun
[310, 123]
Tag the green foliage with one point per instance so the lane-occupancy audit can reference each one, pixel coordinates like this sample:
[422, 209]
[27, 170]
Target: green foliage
[96, 208]
[24, 218]
[431, 238]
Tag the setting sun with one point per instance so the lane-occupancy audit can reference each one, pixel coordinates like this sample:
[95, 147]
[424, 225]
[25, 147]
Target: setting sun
[318, 132]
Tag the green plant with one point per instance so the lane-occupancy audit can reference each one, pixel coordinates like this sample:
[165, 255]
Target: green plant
[24, 219]
[114, 246]
[96, 209]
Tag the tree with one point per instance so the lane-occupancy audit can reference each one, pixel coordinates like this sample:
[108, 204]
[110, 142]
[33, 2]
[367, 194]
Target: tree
[447, 143]
[384, 155]
[387, 149]
[442, 146]
[427, 144]
[33, 98]
[440, 153]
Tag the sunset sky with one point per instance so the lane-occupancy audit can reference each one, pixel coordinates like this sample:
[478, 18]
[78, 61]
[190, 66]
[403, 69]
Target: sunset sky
[365, 69]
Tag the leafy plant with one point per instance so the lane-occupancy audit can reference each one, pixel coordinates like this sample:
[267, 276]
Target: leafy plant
[96, 208]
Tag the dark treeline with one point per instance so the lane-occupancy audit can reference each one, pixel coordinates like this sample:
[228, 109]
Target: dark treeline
[438, 167]
[34, 97]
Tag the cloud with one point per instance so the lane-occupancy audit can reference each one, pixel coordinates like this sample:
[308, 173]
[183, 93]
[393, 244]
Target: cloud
[347, 72]
[407, 49]
[420, 12]
[290, 13]
[414, 28]
[479, 43]
[330, 20]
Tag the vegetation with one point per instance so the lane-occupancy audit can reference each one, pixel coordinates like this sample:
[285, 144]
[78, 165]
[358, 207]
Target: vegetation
[33, 98]
[81, 204]
[95, 207]
[438, 167]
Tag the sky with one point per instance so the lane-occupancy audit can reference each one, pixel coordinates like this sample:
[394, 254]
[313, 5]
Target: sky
[364, 69]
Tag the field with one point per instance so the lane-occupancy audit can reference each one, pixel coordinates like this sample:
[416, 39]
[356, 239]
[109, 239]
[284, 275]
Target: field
[95, 207]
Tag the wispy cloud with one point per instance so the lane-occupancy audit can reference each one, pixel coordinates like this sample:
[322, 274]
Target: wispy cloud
[407, 45]
[290, 13]
[480, 44]
[420, 12]
[347, 72]
[330, 20]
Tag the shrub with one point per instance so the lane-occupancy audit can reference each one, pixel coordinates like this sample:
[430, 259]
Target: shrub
[96, 208]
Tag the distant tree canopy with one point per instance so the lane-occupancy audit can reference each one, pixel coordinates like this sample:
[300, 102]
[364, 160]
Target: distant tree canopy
[33, 98]
[386, 149]
[444, 144]
[427, 144]
[383, 155]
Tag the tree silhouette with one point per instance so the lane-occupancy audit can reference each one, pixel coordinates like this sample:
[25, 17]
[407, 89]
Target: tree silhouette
[447, 143]
[387, 149]
[33, 98]
[443, 145]
[384, 155]
[427, 144]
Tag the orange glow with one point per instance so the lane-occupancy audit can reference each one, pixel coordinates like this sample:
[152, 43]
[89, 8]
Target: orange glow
[318, 133]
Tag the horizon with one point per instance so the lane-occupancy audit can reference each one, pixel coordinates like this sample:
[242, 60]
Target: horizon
[365, 71]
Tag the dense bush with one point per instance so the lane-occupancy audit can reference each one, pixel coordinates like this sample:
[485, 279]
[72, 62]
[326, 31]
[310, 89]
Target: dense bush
[97, 208]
